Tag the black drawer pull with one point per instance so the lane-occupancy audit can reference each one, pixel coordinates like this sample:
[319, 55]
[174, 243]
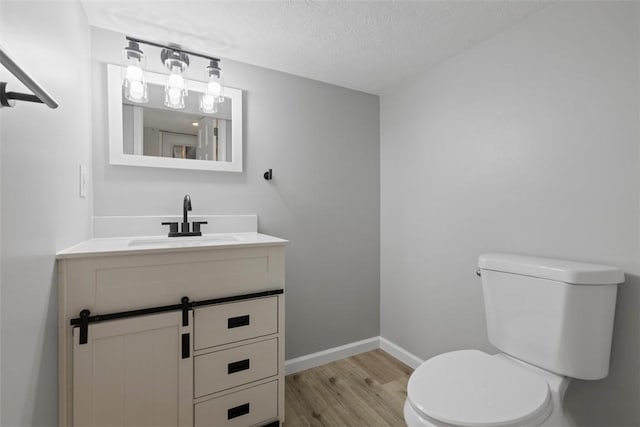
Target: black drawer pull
[234, 322]
[238, 411]
[241, 365]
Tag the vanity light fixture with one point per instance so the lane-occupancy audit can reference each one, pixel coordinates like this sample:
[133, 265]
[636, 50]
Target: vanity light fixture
[134, 80]
[213, 93]
[176, 60]
[175, 90]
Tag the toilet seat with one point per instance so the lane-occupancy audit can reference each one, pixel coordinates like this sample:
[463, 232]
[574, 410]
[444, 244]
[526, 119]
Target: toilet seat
[473, 389]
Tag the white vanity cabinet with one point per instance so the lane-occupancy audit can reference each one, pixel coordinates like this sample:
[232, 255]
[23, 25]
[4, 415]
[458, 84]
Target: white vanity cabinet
[143, 356]
[130, 372]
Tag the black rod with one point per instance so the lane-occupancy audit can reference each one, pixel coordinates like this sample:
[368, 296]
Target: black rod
[21, 75]
[23, 97]
[165, 46]
[173, 307]
[124, 314]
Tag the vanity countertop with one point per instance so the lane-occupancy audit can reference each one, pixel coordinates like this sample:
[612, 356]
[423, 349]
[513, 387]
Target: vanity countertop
[155, 244]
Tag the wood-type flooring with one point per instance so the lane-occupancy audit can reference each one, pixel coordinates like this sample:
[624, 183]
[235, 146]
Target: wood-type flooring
[365, 390]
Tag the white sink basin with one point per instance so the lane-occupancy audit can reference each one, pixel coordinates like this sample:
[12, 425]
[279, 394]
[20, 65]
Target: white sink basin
[141, 244]
[184, 241]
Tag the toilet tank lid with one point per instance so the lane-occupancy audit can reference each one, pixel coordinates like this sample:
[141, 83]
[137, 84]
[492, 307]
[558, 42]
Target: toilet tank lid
[573, 272]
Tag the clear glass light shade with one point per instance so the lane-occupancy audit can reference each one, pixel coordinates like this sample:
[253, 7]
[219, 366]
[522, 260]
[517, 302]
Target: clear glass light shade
[175, 90]
[213, 93]
[134, 80]
[135, 84]
[218, 84]
[211, 97]
[208, 104]
[214, 87]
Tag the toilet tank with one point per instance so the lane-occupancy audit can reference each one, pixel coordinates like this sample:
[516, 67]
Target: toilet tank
[554, 314]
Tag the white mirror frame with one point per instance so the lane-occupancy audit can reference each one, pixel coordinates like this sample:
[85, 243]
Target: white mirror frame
[116, 146]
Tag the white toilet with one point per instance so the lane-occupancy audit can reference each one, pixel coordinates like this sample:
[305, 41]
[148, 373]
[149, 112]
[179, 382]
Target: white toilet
[551, 319]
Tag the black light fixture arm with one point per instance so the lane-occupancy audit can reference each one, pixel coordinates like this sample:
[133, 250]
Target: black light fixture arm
[39, 94]
[172, 47]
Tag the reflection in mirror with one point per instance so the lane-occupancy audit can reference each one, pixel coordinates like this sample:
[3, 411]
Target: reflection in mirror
[153, 135]
[155, 130]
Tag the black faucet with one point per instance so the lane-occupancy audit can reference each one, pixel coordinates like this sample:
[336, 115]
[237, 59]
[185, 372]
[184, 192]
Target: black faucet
[186, 207]
[173, 226]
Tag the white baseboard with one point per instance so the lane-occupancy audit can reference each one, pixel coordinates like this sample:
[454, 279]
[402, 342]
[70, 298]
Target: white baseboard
[336, 353]
[330, 355]
[400, 353]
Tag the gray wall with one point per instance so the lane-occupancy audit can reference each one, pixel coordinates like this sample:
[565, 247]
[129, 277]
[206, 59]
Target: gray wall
[526, 143]
[41, 150]
[322, 143]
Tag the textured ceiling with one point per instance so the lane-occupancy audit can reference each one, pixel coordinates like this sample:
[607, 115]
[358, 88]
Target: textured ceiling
[365, 45]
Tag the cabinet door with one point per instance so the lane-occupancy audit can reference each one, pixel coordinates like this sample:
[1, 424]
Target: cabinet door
[133, 372]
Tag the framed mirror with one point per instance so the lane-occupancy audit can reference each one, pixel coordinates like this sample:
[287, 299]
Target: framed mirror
[153, 135]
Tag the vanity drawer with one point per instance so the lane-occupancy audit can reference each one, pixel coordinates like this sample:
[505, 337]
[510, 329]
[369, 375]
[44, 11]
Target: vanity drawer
[243, 408]
[237, 321]
[235, 366]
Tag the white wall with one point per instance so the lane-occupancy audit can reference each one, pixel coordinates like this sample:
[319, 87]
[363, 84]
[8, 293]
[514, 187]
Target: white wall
[41, 150]
[526, 143]
[322, 143]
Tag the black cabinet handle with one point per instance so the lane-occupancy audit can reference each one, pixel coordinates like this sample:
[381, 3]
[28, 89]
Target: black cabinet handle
[84, 326]
[238, 411]
[235, 322]
[186, 346]
[241, 365]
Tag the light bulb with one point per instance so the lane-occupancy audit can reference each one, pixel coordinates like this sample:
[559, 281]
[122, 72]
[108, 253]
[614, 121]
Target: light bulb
[213, 91]
[136, 91]
[175, 97]
[175, 90]
[134, 80]
[135, 84]
[212, 95]
[208, 104]
[214, 88]
[176, 80]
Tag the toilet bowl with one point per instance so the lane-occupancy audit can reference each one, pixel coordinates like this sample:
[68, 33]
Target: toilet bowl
[472, 388]
[552, 320]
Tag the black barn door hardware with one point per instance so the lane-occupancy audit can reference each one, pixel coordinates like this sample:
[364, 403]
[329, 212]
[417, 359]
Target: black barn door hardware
[85, 318]
[185, 311]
